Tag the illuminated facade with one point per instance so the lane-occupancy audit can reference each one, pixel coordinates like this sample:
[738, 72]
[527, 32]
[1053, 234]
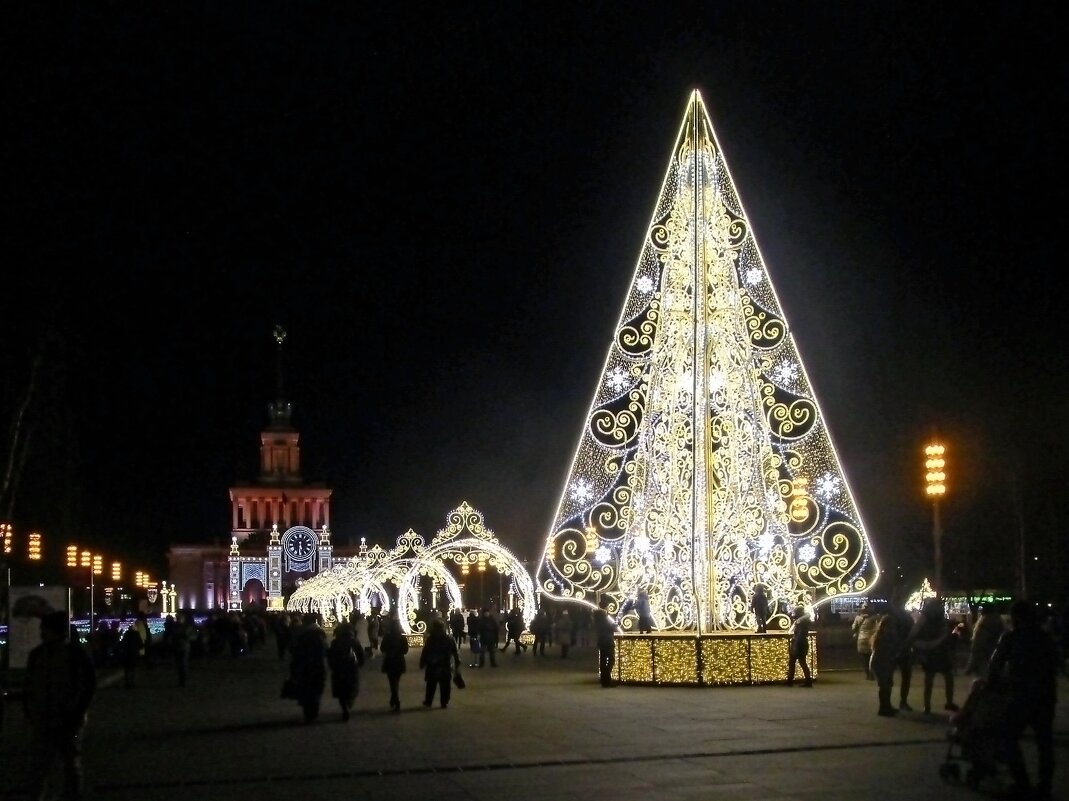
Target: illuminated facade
[704, 467]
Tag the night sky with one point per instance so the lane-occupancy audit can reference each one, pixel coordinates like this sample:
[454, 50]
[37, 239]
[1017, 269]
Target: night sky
[444, 210]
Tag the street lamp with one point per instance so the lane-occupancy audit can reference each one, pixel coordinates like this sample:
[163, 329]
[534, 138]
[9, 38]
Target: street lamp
[935, 488]
[90, 562]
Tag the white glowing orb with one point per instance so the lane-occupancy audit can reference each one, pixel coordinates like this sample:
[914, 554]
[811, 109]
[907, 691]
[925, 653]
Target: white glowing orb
[602, 554]
[644, 285]
[806, 553]
[753, 276]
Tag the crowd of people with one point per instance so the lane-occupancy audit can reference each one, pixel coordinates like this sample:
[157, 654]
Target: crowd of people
[1019, 653]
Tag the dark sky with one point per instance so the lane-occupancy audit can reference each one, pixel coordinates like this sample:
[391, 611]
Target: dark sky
[444, 209]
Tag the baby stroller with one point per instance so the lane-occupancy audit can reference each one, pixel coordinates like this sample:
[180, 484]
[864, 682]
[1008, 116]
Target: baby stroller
[977, 735]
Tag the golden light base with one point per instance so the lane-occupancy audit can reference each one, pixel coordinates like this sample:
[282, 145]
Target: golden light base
[707, 660]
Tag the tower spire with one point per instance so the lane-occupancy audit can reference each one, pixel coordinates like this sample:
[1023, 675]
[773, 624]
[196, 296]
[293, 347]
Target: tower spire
[280, 409]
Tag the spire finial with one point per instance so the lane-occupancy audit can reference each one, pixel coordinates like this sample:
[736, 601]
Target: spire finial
[280, 409]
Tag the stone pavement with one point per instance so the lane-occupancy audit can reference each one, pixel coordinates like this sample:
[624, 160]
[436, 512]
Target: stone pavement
[533, 728]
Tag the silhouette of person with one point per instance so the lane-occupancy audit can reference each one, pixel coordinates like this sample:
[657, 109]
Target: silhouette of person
[59, 686]
[308, 668]
[642, 609]
[1026, 659]
[759, 605]
[799, 647]
[345, 657]
[932, 639]
[438, 658]
[394, 646]
[605, 628]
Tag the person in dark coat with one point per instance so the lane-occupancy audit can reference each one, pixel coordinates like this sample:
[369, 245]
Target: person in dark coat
[799, 647]
[308, 668]
[130, 645]
[759, 605]
[59, 685]
[345, 658]
[932, 640]
[394, 646]
[438, 658]
[1026, 661]
[605, 628]
[488, 638]
[904, 660]
[642, 609]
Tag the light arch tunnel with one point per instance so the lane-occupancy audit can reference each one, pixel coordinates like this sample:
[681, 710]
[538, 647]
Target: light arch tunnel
[365, 579]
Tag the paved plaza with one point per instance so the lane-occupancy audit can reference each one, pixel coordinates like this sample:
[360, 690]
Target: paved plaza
[532, 728]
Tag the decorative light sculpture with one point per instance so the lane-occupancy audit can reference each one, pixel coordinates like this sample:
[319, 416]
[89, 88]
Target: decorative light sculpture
[465, 542]
[704, 466]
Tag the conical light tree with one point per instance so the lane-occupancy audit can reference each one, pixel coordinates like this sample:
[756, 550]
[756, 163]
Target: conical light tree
[704, 467]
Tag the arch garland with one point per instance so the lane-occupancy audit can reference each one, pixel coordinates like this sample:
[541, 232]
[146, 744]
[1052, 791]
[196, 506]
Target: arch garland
[465, 541]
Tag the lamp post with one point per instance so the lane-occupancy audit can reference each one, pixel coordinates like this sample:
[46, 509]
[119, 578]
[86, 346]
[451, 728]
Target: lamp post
[935, 488]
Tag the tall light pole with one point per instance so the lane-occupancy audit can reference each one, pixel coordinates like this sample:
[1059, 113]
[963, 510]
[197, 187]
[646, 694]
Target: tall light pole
[935, 488]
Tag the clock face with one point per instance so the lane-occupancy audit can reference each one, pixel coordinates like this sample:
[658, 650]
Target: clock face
[300, 545]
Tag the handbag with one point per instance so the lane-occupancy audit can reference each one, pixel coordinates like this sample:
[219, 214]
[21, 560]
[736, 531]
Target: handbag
[458, 680]
[289, 689]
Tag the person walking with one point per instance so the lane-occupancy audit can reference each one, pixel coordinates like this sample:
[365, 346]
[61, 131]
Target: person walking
[438, 660]
[374, 632]
[885, 645]
[863, 628]
[904, 662]
[280, 626]
[129, 649]
[567, 633]
[345, 658]
[181, 642]
[308, 669]
[456, 625]
[759, 606]
[605, 628]
[472, 625]
[799, 647]
[540, 630]
[488, 638]
[1026, 660]
[513, 630]
[394, 646]
[58, 688]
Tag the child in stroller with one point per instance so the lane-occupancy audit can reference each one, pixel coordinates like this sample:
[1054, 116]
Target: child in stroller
[976, 734]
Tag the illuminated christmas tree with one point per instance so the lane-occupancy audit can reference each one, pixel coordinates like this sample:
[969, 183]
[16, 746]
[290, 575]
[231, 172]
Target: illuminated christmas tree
[704, 467]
